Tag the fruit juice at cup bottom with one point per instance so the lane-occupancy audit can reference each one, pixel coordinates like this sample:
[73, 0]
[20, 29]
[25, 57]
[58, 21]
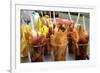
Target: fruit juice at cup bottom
[83, 49]
[37, 53]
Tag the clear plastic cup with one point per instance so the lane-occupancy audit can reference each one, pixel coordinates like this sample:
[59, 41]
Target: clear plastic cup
[59, 51]
[83, 52]
[37, 52]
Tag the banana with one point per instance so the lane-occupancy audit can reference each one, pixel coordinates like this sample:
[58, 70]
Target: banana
[24, 30]
[41, 26]
[45, 30]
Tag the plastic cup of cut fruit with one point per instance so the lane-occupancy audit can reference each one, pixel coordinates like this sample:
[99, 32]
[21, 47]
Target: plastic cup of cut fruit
[37, 49]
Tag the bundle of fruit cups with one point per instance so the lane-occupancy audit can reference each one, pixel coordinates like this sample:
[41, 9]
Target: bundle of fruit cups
[78, 42]
[64, 38]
